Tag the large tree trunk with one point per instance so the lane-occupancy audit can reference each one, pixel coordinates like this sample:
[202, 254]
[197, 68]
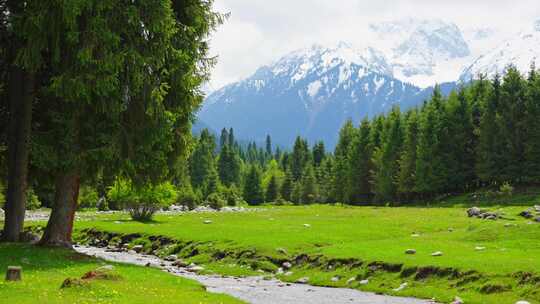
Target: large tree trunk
[21, 87]
[60, 225]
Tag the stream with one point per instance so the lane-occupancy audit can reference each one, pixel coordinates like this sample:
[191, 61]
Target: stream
[255, 290]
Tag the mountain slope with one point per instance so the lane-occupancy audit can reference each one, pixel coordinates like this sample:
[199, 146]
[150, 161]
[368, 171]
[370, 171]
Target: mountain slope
[520, 51]
[310, 93]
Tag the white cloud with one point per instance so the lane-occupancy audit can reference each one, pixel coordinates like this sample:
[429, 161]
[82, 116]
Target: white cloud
[260, 31]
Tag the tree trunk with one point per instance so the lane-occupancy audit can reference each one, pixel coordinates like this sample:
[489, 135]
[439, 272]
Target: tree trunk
[60, 225]
[21, 87]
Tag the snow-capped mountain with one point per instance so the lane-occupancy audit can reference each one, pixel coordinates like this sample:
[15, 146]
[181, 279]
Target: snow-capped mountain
[310, 92]
[423, 52]
[520, 51]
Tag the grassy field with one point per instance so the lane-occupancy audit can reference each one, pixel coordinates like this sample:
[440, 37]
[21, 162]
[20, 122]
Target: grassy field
[44, 270]
[370, 234]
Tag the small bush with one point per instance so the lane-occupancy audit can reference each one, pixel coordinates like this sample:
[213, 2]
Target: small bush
[142, 202]
[188, 198]
[231, 195]
[32, 200]
[506, 189]
[88, 197]
[215, 201]
[2, 196]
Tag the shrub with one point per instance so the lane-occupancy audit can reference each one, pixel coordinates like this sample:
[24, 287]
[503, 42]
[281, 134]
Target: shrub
[144, 201]
[2, 196]
[231, 195]
[88, 197]
[32, 200]
[215, 201]
[188, 198]
[506, 189]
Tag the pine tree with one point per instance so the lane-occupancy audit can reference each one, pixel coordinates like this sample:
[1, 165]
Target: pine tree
[268, 146]
[299, 158]
[347, 135]
[223, 138]
[386, 157]
[319, 153]
[512, 111]
[359, 166]
[272, 190]
[407, 161]
[232, 140]
[287, 187]
[202, 159]
[296, 195]
[229, 166]
[308, 185]
[211, 183]
[253, 191]
[532, 148]
[489, 145]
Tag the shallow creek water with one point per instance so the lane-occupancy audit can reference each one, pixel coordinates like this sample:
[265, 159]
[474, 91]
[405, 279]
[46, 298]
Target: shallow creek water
[255, 290]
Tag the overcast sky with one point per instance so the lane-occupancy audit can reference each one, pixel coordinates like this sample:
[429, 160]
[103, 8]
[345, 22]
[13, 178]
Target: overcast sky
[260, 31]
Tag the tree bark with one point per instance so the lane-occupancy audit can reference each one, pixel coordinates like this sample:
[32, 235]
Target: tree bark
[21, 94]
[60, 225]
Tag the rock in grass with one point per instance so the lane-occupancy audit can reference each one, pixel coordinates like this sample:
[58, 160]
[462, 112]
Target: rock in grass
[479, 248]
[14, 273]
[336, 279]
[526, 214]
[303, 280]
[207, 222]
[364, 282]
[537, 219]
[286, 265]
[307, 225]
[474, 211]
[458, 300]
[522, 302]
[351, 280]
[288, 273]
[410, 251]
[437, 254]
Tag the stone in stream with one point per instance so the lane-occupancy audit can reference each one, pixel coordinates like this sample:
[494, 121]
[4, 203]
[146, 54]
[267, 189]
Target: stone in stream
[303, 280]
[14, 273]
[171, 258]
[458, 300]
[410, 251]
[437, 254]
[137, 248]
[194, 268]
[180, 263]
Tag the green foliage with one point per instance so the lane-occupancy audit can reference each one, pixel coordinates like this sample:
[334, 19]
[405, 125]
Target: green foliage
[88, 198]
[215, 201]
[506, 189]
[2, 196]
[272, 190]
[231, 195]
[32, 200]
[188, 198]
[309, 193]
[253, 190]
[142, 202]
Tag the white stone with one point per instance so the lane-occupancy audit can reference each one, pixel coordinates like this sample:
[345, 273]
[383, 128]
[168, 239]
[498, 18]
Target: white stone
[401, 287]
[364, 282]
[437, 253]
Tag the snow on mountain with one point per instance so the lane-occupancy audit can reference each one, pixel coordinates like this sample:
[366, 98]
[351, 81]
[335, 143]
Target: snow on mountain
[521, 51]
[423, 52]
[310, 92]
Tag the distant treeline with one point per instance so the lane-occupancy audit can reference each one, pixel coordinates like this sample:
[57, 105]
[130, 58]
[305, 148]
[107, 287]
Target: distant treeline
[486, 133]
